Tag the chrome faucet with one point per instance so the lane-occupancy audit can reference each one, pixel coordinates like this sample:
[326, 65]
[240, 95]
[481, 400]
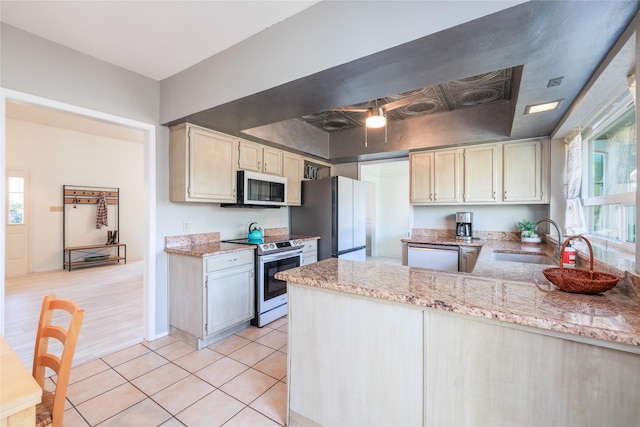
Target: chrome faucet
[560, 241]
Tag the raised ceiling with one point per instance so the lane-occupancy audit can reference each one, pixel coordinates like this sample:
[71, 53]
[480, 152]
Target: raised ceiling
[468, 92]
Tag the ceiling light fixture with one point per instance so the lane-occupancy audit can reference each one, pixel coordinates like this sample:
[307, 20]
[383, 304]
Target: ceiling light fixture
[375, 120]
[540, 108]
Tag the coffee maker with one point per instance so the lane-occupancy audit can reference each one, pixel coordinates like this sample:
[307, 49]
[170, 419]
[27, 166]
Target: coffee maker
[464, 229]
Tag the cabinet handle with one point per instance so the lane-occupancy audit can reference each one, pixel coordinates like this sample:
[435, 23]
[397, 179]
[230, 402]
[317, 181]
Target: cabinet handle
[505, 195]
[232, 259]
[252, 273]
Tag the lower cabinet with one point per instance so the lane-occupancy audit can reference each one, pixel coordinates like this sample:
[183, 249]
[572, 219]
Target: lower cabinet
[422, 366]
[210, 297]
[310, 252]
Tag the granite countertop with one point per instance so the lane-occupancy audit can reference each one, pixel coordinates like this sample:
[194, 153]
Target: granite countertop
[510, 292]
[207, 244]
[201, 245]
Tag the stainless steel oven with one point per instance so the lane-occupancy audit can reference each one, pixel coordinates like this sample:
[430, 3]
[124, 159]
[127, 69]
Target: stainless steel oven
[271, 293]
[273, 254]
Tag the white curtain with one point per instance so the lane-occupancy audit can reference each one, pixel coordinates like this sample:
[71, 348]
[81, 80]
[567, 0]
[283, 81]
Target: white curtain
[574, 215]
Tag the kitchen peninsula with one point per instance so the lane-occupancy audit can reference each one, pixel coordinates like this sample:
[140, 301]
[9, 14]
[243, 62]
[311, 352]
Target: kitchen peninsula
[377, 344]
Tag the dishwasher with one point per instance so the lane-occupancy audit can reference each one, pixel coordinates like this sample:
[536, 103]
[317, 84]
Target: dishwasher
[437, 257]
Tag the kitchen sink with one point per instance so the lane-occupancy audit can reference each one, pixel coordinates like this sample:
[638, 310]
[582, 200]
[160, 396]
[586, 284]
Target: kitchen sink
[526, 258]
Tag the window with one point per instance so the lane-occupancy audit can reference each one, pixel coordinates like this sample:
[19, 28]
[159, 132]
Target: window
[610, 187]
[16, 200]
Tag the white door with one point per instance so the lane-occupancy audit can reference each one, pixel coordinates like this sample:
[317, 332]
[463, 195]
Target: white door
[17, 227]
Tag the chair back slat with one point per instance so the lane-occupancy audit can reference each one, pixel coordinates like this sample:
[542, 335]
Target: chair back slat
[61, 365]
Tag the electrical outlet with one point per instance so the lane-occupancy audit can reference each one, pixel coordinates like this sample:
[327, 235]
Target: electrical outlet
[56, 209]
[185, 225]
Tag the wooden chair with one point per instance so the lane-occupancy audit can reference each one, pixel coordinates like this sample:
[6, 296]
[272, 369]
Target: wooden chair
[51, 410]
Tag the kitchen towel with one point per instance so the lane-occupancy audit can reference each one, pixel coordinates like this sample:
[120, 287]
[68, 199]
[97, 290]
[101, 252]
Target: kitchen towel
[101, 214]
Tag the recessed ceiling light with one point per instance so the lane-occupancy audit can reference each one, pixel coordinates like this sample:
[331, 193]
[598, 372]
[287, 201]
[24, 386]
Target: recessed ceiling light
[539, 108]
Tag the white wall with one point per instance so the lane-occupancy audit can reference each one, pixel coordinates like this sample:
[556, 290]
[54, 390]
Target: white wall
[55, 157]
[328, 27]
[485, 218]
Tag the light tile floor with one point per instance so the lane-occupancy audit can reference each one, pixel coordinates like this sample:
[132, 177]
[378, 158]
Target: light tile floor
[238, 381]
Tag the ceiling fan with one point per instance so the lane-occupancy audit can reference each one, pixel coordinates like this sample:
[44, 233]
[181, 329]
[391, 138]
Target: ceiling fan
[377, 114]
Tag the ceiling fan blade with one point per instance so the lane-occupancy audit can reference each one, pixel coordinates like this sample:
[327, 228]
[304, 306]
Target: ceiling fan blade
[403, 102]
[352, 110]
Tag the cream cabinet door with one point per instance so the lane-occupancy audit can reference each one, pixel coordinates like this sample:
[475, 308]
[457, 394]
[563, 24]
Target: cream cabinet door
[421, 175]
[230, 297]
[249, 156]
[481, 174]
[522, 172]
[272, 161]
[310, 252]
[201, 165]
[446, 187]
[293, 170]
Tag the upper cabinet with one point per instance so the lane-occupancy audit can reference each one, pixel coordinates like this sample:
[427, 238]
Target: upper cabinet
[525, 172]
[201, 165]
[434, 177]
[259, 158]
[421, 175]
[293, 170]
[481, 173]
[511, 172]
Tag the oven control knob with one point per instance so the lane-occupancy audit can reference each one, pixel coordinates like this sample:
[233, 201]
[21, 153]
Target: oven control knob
[272, 246]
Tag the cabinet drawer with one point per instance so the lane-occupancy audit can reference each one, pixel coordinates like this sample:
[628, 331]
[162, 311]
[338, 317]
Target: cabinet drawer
[310, 245]
[229, 260]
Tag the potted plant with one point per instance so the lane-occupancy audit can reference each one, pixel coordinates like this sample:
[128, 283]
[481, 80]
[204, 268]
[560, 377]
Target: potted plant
[529, 234]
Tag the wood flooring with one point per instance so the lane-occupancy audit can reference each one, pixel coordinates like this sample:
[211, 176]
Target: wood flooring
[112, 296]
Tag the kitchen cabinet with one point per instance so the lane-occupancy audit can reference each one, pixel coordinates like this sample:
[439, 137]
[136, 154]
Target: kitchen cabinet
[293, 170]
[523, 172]
[435, 177]
[337, 361]
[573, 380]
[421, 175]
[481, 173]
[510, 172]
[468, 258]
[210, 297]
[259, 158]
[310, 252]
[201, 165]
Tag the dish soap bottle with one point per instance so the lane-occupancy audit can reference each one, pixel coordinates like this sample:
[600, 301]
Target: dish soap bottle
[569, 257]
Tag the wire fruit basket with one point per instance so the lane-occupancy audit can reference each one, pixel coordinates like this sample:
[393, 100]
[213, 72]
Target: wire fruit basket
[580, 281]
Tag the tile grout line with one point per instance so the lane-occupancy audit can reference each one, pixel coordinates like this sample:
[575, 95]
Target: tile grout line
[174, 416]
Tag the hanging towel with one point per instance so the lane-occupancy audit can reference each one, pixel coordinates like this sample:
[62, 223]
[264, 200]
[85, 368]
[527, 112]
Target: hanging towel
[101, 215]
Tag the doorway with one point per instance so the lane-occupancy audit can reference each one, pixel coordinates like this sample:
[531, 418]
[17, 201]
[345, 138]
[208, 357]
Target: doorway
[149, 159]
[391, 211]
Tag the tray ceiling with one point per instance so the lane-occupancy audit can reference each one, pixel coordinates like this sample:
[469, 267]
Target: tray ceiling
[481, 89]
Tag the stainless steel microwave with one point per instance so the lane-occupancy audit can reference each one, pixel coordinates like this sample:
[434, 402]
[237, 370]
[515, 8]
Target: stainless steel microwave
[259, 190]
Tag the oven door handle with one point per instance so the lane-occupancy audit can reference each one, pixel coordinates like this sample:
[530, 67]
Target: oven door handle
[280, 255]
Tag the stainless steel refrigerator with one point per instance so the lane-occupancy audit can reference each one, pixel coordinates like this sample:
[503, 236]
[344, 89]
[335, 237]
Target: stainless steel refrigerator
[333, 208]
